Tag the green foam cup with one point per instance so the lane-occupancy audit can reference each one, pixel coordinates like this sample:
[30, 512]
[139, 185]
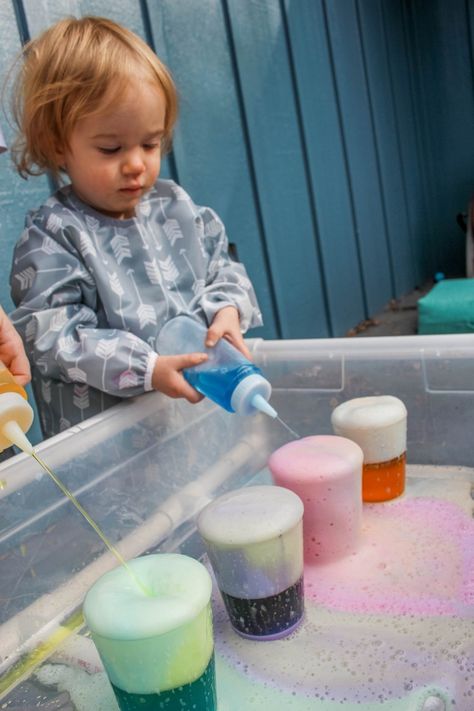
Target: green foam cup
[157, 649]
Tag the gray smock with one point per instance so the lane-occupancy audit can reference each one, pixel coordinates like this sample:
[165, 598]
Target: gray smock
[92, 293]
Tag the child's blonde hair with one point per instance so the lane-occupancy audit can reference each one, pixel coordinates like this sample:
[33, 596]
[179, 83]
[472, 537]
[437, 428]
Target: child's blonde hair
[64, 77]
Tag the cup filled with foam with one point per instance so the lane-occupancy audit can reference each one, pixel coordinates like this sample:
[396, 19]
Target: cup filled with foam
[254, 541]
[155, 639]
[379, 426]
[325, 471]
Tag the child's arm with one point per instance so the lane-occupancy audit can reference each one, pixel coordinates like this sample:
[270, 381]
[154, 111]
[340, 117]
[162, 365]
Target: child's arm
[63, 326]
[228, 299]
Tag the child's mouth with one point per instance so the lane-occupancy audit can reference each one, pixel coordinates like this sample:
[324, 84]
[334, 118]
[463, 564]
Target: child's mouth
[132, 190]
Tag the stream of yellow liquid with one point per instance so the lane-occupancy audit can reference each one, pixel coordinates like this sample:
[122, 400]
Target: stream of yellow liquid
[92, 523]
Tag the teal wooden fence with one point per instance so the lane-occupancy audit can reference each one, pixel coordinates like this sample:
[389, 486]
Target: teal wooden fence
[334, 137]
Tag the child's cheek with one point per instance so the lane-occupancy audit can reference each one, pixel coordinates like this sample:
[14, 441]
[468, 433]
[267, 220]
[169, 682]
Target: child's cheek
[106, 176]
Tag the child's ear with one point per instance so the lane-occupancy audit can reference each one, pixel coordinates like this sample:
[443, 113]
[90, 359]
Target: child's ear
[60, 155]
[60, 159]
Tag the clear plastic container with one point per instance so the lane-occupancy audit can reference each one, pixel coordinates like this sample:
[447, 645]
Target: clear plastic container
[144, 470]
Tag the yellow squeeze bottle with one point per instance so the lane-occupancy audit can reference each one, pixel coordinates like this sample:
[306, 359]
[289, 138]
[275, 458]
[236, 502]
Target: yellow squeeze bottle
[16, 415]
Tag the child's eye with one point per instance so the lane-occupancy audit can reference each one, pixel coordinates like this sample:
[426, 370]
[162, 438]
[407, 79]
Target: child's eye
[109, 151]
[151, 146]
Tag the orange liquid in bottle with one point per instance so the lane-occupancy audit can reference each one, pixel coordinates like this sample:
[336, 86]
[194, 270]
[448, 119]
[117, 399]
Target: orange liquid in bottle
[385, 480]
[8, 383]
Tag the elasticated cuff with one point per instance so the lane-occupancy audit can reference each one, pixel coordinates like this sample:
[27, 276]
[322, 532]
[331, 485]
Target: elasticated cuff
[150, 367]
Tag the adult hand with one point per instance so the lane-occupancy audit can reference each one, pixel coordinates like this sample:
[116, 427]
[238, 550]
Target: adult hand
[12, 353]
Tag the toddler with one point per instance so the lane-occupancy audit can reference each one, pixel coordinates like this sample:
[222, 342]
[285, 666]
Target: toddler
[108, 259]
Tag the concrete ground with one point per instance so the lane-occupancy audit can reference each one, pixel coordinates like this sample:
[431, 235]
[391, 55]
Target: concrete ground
[398, 318]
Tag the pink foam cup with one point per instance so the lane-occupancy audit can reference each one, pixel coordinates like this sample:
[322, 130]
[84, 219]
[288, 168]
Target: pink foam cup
[325, 471]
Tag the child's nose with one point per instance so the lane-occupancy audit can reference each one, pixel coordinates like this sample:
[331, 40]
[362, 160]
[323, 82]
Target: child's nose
[133, 163]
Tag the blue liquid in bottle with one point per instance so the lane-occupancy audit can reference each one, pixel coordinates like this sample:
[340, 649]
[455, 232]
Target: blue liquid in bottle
[227, 377]
[219, 383]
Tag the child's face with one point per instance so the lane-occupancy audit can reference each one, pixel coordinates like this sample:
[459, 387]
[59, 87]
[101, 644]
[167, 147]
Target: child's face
[115, 154]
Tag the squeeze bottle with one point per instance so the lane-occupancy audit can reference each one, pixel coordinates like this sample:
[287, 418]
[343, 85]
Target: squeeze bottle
[227, 377]
[16, 415]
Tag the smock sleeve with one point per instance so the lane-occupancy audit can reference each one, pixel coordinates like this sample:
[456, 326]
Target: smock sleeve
[227, 282]
[61, 321]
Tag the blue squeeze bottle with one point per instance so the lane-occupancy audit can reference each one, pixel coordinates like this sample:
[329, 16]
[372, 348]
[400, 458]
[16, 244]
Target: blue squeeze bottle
[227, 377]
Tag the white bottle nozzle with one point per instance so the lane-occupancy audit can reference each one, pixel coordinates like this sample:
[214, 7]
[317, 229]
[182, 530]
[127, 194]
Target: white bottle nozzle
[259, 403]
[16, 416]
[252, 393]
[12, 431]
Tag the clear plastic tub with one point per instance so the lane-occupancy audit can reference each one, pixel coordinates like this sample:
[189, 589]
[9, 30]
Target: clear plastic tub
[392, 629]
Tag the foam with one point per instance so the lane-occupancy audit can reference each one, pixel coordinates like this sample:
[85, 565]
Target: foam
[115, 607]
[377, 424]
[156, 643]
[326, 472]
[248, 515]
[389, 628]
[254, 540]
[87, 691]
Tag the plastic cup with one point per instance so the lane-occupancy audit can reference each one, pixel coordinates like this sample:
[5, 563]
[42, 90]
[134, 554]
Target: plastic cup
[378, 425]
[157, 649]
[326, 472]
[254, 539]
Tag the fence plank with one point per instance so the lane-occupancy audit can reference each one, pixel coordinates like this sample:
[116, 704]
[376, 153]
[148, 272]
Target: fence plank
[210, 146]
[282, 181]
[384, 115]
[326, 161]
[358, 130]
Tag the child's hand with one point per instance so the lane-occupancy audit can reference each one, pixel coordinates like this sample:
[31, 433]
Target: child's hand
[226, 324]
[168, 379]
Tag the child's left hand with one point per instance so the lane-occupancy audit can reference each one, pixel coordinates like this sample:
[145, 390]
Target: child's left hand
[226, 324]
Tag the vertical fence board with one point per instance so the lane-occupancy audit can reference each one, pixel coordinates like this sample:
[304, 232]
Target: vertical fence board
[17, 196]
[401, 73]
[361, 152]
[386, 139]
[326, 161]
[210, 145]
[446, 107]
[269, 102]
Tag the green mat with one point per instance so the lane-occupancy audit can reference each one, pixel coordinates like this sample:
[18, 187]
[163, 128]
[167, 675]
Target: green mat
[447, 308]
